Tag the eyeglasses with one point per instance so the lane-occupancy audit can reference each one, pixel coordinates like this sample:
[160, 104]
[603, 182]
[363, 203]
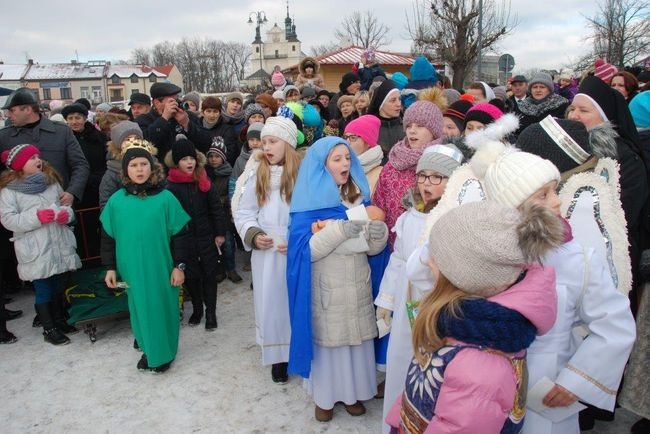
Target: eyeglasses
[433, 179]
[350, 137]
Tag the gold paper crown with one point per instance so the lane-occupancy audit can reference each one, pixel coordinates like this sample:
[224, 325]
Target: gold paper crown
[134, 143]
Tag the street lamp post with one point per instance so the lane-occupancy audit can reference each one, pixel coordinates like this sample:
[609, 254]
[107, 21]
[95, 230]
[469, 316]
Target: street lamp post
[260, 18]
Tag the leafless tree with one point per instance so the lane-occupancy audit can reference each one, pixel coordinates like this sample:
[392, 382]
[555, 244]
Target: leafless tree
[318, 50]
[447, 30]
[141, 56]
[163, 53]
[363, 29]
[620, 30]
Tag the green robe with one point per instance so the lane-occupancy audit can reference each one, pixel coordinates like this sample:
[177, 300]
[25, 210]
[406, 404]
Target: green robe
[142, 229]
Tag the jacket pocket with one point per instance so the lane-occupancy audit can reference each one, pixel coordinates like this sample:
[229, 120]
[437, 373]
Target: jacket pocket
[68, 241]
[26, 248]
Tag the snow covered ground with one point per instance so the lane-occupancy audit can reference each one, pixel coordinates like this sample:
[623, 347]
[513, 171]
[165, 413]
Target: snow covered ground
[216, 384]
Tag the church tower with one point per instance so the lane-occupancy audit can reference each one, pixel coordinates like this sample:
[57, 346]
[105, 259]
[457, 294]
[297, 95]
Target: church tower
[281, 47]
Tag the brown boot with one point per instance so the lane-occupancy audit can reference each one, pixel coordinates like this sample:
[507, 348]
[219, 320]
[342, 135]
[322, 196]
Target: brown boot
[324, 415]
[356, 409]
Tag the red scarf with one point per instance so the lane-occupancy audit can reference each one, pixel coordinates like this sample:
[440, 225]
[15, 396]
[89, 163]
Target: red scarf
[179, 177]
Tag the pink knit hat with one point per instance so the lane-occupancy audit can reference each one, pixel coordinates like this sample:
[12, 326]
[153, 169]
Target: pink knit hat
[426, 114]
[366, 127]
[16, 157]
[605, 71]
[484, 113]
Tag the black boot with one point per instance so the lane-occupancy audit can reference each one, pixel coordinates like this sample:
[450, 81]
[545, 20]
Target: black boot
[58, 315]
[194, 287]
[279, 373]
[210, 297]
[50, 333]
[36, 323]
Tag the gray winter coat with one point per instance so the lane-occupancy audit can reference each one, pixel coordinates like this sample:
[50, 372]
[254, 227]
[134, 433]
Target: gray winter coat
[58, 147]
[42, 250]
[110, 182]
[341, 295]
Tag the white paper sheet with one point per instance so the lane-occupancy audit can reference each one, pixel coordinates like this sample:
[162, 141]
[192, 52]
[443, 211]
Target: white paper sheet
[555, 414]
[382, 327]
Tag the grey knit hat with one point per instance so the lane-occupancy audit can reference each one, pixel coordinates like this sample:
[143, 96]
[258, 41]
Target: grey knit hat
[443, 159]
[254, 130]
[542, 78]
[281, 128]
[194, 97]
[483, 247]
[252, 109]
[124, 129]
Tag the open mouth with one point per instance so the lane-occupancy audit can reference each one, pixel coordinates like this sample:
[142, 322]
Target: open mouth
[345, 174]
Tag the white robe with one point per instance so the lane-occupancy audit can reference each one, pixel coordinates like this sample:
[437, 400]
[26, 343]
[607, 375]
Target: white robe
[270, 294]
[392, 295]
[592, 367]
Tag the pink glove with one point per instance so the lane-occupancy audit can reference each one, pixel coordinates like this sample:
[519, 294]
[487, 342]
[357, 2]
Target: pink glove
[45, 215]
[63, 217]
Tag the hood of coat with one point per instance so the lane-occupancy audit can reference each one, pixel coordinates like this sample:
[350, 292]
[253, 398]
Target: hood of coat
[306, 60]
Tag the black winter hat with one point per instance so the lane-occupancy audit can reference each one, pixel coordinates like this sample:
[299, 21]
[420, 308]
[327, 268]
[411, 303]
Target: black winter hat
[158, 90]
[347, 79]
[182, 148]
[140, 98]
[457, 111]
[21, 96]
[84, 102]
[74, 108]
[379, 96]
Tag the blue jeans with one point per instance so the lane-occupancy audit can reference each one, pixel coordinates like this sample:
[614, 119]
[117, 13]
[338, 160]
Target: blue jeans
[229, 251]
[46, 289]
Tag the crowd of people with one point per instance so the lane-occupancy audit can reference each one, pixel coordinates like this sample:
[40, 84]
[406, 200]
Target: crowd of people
[365, 259]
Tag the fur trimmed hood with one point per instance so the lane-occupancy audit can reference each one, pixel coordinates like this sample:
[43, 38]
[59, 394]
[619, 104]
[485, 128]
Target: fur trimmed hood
[303, 62]
[201, 160]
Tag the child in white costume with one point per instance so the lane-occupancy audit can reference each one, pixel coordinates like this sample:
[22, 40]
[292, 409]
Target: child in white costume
[261, 215]
[432, 173]
[590, 369]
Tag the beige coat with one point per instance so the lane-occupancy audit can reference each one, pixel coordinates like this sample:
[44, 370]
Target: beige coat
[342, 305]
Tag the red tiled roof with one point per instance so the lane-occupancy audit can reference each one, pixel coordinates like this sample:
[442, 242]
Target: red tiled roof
[351, 55]
[165, 69]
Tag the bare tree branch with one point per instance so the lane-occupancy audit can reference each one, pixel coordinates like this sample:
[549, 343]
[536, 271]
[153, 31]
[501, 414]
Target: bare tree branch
[364, 29]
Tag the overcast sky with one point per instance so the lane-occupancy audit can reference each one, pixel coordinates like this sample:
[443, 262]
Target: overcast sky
[549, 34]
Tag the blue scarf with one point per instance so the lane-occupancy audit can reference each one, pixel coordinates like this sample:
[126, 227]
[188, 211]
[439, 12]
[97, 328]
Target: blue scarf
[31, 184]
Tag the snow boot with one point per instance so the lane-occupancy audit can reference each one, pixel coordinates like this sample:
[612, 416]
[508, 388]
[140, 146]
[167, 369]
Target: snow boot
[50, 333]
[210, 297]
[279, 373]
[58, 316]
[193, 286]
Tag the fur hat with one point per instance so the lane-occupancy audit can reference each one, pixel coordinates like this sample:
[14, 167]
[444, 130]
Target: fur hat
[347, 79]
[84, 102]
[443, 159]
[483, 247]
[281, 128]
[254, 131]
[269, 101]
[484, 113]
[605, 71]
[366, 127]
[74, 108]
[182, 148]
[542, 78]
[121, 130]
[218, 147]
[342, 99]
[252, 109]
[16, 157]
[456, 112]
[194, 97]
[426, 114]
[567, 144]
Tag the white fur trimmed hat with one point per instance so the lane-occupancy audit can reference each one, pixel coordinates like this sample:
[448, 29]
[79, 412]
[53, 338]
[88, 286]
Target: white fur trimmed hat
[281, 128]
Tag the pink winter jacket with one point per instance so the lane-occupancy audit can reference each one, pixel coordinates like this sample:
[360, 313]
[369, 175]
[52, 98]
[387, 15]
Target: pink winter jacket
[480, 387]
[389, 191]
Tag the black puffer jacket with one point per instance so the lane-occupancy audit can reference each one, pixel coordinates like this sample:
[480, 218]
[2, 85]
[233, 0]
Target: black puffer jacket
[227, 133]
[208, 221]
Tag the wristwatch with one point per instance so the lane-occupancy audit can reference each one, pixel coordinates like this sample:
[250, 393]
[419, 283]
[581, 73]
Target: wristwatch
[181, 266]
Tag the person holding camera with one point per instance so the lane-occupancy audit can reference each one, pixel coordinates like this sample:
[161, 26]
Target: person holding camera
[168, 119]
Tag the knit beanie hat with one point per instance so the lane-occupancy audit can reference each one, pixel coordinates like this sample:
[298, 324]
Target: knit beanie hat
[380, 96]
[252, 109]
[121, 130]
[643, 77]
[366, 127]
[307, 92]
[218, 147]
[442, 159]
[281, 128]
[211, 102]
[452, 95]
[483, 247]
[278, 94]
[74, 108]
[16, 157]
[605, 71]
[542, 78]
[234, 95]
[500, 93]
[277, 79]
[104, 107]
[133, 148]
[194, 97]
[288, 88]
[269, 101]
[254, 130]
[640, 109]
[457, 111]
[182, 148]
[400, 80]
[423, 70]
[426, 114]
[484, 113]
[342, 99]
[347, 79]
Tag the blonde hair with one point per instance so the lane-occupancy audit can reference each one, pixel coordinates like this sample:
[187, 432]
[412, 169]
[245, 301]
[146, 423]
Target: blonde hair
[263, 181]
[444, 297]
[51, 175]
[357, 96]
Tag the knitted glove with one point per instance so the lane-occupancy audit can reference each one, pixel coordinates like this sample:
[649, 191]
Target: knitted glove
[45, 215]
[352, 228]
[62, 217]
[377, 229]
[384, 314]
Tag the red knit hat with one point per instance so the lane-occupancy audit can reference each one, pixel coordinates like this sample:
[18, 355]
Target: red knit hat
[605, 71]
[16, 157]
[366, 127]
